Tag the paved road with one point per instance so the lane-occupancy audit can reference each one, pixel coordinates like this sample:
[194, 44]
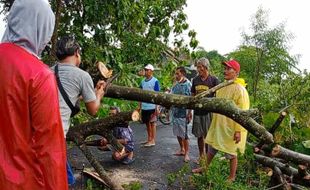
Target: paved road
[151, 164]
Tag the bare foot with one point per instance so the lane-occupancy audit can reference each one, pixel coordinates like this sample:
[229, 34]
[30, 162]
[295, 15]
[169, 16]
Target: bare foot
[230, 180]
[179, 153]
[186, 158]
[197, 170]
[197, 161]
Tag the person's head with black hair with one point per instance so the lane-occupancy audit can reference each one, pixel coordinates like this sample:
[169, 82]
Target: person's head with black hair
[114, 110]
[68, 50]
[182, 70]
[180, 73]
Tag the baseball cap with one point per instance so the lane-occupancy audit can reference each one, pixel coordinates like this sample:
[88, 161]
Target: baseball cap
[149, 67]
[233, 64]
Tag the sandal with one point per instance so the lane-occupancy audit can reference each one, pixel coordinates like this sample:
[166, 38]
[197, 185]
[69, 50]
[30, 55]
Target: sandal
[128, 161]
[149, 145]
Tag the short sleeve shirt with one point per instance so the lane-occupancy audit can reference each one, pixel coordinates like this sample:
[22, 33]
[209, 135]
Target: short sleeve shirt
[153, 85]
[76, 83]
[199, 86]
[123, 131]
[182, 88]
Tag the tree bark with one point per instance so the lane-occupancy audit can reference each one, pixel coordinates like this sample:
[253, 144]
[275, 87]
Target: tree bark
[101, 127]
[273, 129]
[99, 169]
[278, 122]
[58, 9]
[286, 169]
[278, 180]
[289, 155]
[216, 105]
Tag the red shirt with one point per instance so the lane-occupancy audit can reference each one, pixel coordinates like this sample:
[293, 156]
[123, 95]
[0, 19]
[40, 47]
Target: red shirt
[32, 146]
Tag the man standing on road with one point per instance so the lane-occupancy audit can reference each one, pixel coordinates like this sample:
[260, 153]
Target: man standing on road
[33, 153]
[149, 111]
[202, 119]
[179, 115]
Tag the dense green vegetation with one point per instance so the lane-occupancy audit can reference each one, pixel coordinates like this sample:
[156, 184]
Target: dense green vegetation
[128, 34]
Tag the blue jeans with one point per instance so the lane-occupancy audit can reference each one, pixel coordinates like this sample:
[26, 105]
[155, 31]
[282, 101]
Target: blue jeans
[71, 179]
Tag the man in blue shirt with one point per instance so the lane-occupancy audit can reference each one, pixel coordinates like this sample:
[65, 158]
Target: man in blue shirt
[149, 111]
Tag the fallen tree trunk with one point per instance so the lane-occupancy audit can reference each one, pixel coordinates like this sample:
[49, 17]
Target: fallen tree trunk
[298, 178]
[289, 155]
[101, 127]
[278, 180]
[216, 105]
[99, 169]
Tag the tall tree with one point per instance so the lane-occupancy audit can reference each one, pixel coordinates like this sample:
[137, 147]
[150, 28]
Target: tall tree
[272, 50]
[125, 34]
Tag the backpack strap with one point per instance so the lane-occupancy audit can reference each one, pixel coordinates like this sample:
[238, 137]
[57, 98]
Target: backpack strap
[74, 110]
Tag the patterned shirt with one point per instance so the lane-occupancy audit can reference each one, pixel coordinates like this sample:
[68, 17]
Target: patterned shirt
[123, 131]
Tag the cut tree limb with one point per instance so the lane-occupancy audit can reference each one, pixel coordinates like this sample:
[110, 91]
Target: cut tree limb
[214, 89]
[216, 105]
[101, 127]
[278, 179]
[99, 169]
[289, 155]
[272, 129]
[286, 169]
[277, 123]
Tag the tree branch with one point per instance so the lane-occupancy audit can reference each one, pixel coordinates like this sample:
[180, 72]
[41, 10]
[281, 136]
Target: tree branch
[214, 89]
[216, 105]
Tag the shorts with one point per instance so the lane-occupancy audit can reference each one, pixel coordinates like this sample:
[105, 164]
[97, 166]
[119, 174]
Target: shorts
[213, 151]
[179, 127]
[201, 125]
[148, 116]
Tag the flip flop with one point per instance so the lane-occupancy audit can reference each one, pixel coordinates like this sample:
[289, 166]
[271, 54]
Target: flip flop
[143, 142]
[149, 145]
[128, 161]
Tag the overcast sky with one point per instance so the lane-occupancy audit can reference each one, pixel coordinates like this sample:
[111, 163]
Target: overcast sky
[219, 23]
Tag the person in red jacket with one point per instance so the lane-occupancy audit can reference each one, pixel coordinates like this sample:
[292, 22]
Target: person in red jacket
[32, 147]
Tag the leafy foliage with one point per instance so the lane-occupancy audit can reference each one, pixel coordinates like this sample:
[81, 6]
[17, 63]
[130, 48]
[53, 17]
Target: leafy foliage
[126, 33]
[271, 45]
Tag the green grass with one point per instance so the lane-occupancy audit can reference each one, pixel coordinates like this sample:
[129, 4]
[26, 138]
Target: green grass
[248, 176]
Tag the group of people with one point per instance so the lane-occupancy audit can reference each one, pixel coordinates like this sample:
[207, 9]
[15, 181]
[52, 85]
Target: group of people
[37, 103]
[214, 132]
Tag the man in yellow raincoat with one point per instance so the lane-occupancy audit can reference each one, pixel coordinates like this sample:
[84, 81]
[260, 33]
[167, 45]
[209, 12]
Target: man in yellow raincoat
[225, 134]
